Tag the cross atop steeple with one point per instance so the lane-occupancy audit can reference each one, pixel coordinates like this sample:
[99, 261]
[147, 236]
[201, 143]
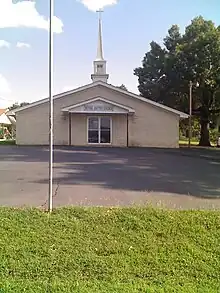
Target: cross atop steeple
[100, 11]
[99, 63]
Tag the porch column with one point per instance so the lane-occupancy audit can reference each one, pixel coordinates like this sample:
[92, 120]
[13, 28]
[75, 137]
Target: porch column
[70, 129]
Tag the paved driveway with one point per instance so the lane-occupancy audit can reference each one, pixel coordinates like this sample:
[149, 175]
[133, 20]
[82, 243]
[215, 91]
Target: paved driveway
[111, 176]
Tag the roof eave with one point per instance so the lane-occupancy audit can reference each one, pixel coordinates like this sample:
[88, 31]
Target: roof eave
[181, 114]
[184, 115]
[57, 96]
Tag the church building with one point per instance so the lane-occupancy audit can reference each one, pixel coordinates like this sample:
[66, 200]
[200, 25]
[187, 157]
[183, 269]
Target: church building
[99, 114]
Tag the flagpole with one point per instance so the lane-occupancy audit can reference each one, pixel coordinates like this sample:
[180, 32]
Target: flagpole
[50, 196]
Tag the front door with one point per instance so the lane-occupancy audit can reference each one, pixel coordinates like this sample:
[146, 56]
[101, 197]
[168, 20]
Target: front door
[99, 130]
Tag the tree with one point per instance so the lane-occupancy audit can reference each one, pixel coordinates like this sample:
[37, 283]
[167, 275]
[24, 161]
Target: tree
[123, 87]
[17, 105]
[193, 56]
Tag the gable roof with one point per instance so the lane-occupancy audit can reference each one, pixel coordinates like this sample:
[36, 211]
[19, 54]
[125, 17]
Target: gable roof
[109, 86]
[4, 119]
[98, 99]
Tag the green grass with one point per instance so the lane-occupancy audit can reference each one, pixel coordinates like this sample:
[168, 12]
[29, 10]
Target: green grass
[184, 142]
[109, 250]
[7, 142]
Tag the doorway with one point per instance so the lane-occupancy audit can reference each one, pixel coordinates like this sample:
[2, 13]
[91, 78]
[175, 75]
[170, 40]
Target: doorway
[99, 130]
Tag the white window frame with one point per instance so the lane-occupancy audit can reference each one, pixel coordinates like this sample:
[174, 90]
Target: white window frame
[99, 130]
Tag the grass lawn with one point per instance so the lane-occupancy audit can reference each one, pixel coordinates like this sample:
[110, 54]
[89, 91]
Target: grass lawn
[109, 250]
[184, 142]
[7, 142]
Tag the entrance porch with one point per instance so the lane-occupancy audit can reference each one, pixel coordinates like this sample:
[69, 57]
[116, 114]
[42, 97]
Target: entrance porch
[98, 122]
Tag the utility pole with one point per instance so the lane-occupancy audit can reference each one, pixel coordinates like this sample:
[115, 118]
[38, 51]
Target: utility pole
[190, 113]
[50, 195]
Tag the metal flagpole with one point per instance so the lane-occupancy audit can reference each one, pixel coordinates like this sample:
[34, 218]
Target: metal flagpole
[190, 114]
[50, 196]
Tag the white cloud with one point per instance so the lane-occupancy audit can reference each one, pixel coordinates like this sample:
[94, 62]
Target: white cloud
[23, 45]
[4, 85]
[25, 14]
[97, 4]
[4, 44]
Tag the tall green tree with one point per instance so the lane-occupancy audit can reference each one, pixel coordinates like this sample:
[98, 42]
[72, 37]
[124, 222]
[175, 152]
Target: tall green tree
[167, 70]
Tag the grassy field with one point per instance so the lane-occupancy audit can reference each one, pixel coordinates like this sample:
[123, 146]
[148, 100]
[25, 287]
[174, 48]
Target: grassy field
[194, 143]
[109, 250]
[7, 142]
[185, 142]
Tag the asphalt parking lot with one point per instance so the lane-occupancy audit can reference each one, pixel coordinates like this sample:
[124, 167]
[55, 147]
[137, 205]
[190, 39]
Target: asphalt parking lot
[110, 177]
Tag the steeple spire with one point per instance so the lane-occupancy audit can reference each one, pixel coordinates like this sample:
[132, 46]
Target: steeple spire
[99, 47]
[100, 63]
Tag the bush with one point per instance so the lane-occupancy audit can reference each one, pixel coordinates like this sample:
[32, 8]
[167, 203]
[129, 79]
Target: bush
[214, 134]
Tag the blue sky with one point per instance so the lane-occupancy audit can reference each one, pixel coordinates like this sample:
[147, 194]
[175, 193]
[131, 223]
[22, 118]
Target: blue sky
[128, 28]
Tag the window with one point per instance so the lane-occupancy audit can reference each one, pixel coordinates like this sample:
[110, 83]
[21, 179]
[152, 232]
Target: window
[99, 130]
[99, 68]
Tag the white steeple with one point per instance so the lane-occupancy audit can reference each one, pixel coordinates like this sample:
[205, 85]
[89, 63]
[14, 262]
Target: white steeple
[99, 56]
[100, 63]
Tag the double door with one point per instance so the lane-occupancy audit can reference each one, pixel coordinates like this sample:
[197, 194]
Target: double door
[99, 130]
